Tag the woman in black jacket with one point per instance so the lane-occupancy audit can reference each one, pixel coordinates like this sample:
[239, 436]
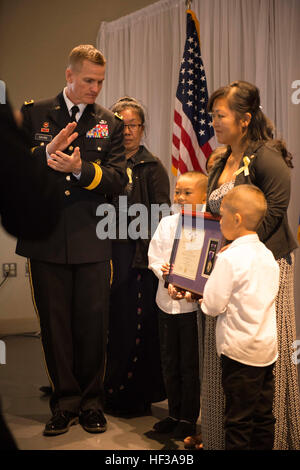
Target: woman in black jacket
[133, 372]
[254, 157]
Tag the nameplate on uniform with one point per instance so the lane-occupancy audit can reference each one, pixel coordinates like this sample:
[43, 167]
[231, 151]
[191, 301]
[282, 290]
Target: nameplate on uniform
[43, 137]
[100, 131]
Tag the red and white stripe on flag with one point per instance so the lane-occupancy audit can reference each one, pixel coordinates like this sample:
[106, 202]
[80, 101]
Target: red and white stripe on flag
[187, 154]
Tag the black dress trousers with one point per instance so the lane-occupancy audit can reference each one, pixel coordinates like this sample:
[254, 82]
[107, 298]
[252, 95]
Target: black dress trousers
[249, 390]
[72, 304]
[180, 363]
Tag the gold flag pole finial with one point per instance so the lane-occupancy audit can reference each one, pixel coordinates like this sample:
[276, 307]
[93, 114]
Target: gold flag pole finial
[188, 4]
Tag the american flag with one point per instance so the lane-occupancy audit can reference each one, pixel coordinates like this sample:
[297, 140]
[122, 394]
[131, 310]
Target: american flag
[193, 134]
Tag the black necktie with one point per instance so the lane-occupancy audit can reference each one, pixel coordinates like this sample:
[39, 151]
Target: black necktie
[74, 111]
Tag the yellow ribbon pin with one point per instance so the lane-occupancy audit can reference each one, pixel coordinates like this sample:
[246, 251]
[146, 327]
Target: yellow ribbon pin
[245, 168]
[129, 174]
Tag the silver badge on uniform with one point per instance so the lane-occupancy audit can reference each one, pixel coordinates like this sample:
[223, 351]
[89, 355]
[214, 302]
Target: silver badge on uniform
[43, 137]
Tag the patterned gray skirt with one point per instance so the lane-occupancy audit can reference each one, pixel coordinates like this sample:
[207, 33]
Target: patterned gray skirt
[286, 399]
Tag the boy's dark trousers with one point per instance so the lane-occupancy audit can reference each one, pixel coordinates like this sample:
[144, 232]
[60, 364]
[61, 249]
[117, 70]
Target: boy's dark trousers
[249, 390]
[180, 363]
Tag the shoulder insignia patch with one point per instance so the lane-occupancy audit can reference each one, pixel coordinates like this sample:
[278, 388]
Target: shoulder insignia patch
[27, 103]
[118, 116]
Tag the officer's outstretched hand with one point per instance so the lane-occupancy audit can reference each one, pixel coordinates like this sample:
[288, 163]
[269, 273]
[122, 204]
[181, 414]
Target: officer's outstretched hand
[65, 163]
[62, 140]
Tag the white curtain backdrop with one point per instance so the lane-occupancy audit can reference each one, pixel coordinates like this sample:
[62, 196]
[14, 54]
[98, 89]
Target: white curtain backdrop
[253, 40]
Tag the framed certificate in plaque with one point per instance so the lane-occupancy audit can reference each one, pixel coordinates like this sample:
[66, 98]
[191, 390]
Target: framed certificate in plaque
[197, 242]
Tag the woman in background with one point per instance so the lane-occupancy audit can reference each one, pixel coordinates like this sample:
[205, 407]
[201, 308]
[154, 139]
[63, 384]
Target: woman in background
[133, 371]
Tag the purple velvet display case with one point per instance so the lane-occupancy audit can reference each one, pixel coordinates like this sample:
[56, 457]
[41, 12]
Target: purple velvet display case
[197, 242]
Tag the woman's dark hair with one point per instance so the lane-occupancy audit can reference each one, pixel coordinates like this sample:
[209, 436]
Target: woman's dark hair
[128, 102]
[243, 97]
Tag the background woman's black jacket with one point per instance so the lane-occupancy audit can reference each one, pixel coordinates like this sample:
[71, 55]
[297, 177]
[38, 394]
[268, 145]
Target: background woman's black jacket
[150, 185]
[269, 172]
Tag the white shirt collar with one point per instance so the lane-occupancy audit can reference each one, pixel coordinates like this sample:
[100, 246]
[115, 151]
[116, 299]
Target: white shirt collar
[70, 104]
[245, 239]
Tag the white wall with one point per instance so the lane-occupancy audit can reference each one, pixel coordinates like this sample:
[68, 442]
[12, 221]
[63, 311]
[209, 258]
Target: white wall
[17, 314]
[35, 39]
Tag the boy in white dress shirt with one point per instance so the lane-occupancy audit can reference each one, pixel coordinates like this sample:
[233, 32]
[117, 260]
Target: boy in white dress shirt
[178, 319]
[241, 291]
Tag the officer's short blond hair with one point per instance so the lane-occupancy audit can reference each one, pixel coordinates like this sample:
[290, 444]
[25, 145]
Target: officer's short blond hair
[85, 52]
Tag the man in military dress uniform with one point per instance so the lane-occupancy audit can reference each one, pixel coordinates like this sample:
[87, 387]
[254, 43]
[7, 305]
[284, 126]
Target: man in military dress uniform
[81, 143]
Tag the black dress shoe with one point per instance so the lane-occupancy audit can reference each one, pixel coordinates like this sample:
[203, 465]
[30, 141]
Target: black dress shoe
[93, 421]
[60, 423]
[166, 425]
